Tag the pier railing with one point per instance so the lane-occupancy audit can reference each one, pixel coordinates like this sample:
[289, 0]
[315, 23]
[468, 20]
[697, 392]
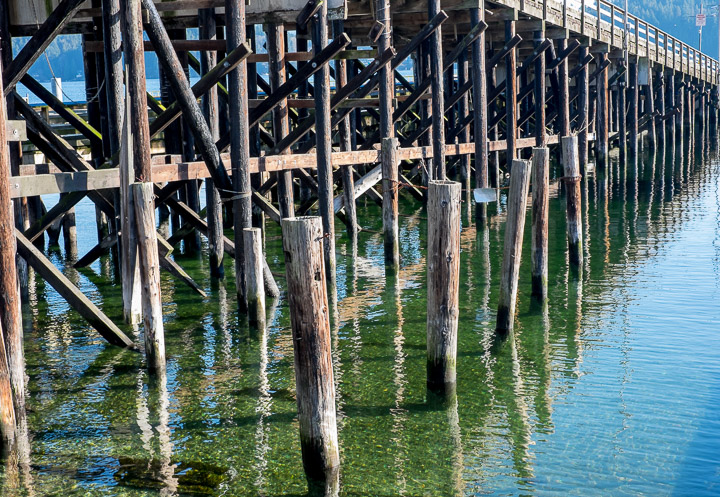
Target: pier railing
[603, 21]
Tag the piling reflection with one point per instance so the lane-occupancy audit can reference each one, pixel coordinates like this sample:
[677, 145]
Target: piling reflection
[228, 399]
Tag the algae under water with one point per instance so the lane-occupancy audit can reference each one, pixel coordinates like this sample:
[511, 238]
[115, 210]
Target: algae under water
[612, 389]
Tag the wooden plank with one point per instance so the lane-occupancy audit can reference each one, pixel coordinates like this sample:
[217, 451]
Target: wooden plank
[77, 300]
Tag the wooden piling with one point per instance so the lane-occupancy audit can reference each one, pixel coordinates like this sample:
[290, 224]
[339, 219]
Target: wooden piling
[254, 273]
[323, 137]
[680, 128]
[510, 96]
[623, 84]
[210, 106]
[540, 218]
[239, 140]
[602, 134]
[583, 84]
[130, 266]
[345, 139]
[438, 98]
[480, 110]
[571, 163]
[662, 107]
[564, 78]
[540, 130]
[390, 164]
[69, 233]
[671, 106]
[514, 230]
[303, 242]
[650, 109]
[281, 119]
[633, 97]
[144, 199]
[142, 192]
[12, 361]
[443, 284]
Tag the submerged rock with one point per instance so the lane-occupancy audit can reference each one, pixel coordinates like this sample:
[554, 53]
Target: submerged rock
[187, 478]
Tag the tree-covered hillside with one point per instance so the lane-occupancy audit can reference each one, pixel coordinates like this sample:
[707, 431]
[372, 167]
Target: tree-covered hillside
[676, 17]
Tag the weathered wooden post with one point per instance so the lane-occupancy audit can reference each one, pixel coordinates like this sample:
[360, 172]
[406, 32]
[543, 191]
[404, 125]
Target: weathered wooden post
[12, 362]
[571, 164]
[480, 110]
[309, 315]
[210, 106]
[514, 230]
[10, 316]
[602, 139]
[650, 107]
[438, 94]
[564, 80]
[142, 190]
[671, 106]
[511, 94]
[69, 233]
[254, 276]
[540, 131]
[622, 115]
[323, 137]
[583, 83]
[540, 217]
[236, 35]
[634, 98]
[281, 118]
[662, 106]
[130, 267]
[345, 138]
[390, 164]
[443, 284]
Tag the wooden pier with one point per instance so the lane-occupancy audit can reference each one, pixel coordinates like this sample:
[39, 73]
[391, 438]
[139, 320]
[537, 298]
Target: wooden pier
[394, 97]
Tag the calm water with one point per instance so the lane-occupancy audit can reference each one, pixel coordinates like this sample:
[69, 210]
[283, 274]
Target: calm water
[614, 389]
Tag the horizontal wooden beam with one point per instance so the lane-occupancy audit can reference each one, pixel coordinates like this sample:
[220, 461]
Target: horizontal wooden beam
[31, 184]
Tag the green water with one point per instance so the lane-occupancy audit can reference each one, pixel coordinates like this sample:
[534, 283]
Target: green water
[613, 389]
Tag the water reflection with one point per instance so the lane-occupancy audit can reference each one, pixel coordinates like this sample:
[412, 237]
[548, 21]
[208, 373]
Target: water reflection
[589, 388]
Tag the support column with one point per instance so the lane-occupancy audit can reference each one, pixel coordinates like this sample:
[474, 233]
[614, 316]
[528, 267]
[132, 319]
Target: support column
[583, 84]
[281, 120]
[12, 360]
[346, 145]
[622, 116]
[564, 77]
[254, 272]
[390, 165]
[671, 106]
[514, 231]
[540, 219]
[650, 109]
[571, 165]
[239, 140]
[443, 283]
[144, 201]
[480, 110]
[210, 106]
[438, 94]
[662, 106]
[323, 136]
[309, 315]
[601, 139]
[540, 93]
[633, 95]
[510, 96]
